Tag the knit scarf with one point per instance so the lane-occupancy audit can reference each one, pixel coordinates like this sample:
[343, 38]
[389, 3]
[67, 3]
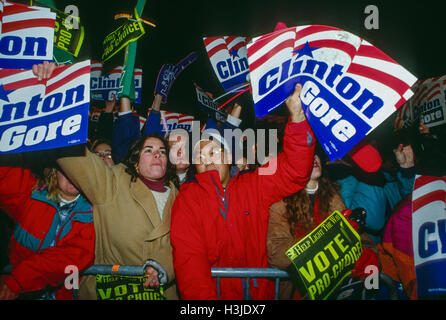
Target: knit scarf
[157, 185]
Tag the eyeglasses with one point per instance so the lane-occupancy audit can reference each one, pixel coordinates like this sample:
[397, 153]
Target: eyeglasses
[104, 154]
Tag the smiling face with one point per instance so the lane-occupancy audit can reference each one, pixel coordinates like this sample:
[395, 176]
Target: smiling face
[152, 163]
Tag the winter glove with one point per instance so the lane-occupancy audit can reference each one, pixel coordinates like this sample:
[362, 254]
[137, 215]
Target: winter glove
[169, 73]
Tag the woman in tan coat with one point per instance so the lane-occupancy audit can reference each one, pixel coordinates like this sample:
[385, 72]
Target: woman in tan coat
[297, 215]
[132, 203]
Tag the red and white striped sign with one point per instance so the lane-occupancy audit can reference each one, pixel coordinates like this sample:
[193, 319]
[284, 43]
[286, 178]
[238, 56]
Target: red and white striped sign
[349, 86]
[26, 35]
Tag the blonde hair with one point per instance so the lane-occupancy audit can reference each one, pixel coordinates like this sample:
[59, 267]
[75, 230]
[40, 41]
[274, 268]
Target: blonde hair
[49, 180]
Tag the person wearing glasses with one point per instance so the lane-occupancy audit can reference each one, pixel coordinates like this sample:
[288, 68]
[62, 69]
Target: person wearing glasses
[103, 149]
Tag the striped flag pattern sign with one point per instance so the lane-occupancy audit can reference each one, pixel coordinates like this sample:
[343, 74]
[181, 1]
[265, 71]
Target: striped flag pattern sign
[174, 120]
[45, 114]
[103, 87]
[229, 60]
[429, 235]
[26, 35]
[428, 104]
[349, 85]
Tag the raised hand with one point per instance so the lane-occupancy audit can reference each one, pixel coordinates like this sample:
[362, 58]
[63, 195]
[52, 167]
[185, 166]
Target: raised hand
[294, 105]
[404, 156]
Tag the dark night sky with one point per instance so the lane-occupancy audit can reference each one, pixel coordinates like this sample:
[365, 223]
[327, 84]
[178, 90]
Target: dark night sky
[409, 31]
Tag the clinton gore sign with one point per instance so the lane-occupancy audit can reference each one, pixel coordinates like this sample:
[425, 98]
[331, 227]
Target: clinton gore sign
[46, 114]
[349, 86]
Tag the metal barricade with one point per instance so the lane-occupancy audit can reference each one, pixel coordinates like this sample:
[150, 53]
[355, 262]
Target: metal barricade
[218, 273]
[243, 273]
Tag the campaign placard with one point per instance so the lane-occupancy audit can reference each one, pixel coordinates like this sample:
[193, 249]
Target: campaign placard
[429, 235]
[104, 87]
[206, 104]
[173, 120]
[228, 56]
[121, 37]
[46, 114]
[114, 287]
[349, 86]
[26, 37]
[429, 101]
[326, 256]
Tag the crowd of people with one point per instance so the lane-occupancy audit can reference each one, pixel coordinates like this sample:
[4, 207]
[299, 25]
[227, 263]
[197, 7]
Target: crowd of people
[137, 197]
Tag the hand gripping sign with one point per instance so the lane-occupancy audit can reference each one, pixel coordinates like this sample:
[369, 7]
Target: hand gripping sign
[26, 35]
[229, 60]
[349, 86]
[46, 114]
[326, 256]
[115, 287]
[429, 235]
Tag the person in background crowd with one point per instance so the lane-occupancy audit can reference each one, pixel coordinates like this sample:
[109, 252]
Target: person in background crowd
[396, 251]
[126, 130]
[295, 216]
[377, 192]
[132, 203]
[102, 148]
[53, 229]
[220, 220]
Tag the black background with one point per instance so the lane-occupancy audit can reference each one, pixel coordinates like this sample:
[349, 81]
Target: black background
[411, 32]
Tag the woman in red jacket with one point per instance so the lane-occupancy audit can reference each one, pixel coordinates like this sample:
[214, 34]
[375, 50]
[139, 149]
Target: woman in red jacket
[220, 220]
[295, 216]
[53, 230]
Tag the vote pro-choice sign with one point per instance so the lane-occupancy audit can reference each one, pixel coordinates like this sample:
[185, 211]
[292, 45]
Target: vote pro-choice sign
[349, 86]
[26, 35]
[229, 60]
[46, 114]
[104, 87]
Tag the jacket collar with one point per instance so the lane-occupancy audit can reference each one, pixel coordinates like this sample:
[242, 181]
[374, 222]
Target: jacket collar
[82, 205]
[212, 178]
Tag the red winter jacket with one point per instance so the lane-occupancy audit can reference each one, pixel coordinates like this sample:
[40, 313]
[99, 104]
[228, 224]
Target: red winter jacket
[213, 227]
[36, 265]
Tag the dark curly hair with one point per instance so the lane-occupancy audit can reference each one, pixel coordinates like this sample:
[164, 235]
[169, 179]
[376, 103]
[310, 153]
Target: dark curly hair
[300, 209]
[132, 159]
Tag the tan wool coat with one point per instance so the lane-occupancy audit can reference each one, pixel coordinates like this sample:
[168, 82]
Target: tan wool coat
[127, 223]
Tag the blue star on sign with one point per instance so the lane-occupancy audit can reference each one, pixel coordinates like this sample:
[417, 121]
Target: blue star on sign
[234, 52]
[4, 93]
[306, 50]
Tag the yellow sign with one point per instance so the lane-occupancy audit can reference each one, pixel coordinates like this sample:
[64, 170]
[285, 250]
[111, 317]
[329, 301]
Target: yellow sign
[121, 37]
[112, 287]
[326, 256]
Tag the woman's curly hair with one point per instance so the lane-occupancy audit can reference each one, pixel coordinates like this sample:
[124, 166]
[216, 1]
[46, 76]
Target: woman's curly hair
[132, 159]
[300, 209]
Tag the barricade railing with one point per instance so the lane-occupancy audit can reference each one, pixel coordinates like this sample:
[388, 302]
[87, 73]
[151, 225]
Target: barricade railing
[218, 273]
